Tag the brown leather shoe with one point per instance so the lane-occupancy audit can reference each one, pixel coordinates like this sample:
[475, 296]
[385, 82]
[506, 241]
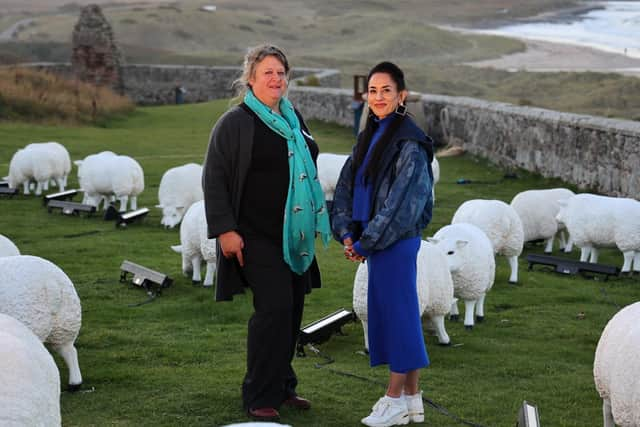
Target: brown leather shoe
[297, 402]
[264, 414]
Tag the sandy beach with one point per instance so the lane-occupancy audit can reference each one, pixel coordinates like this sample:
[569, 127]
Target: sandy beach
[547, 47]
[547, 56]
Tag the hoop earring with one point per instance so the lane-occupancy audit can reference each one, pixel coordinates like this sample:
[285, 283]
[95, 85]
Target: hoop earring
[401, 110]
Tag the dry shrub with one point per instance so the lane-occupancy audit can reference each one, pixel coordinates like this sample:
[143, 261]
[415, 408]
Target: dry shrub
[27, 94]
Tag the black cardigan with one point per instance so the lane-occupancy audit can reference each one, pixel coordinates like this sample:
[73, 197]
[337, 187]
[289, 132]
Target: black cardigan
[226, 165]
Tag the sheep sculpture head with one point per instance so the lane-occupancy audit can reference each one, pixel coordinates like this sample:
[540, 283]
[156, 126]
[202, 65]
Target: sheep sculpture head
[171, 215]
[452, 249]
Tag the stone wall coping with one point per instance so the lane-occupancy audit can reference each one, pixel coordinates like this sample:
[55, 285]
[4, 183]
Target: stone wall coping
[322, 90]
[627, 127]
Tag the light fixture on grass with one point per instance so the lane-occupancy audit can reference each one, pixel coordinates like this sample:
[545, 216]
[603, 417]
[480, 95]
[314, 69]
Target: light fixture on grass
[528, 415]
[133, 216]
[152, 281]
[70, 208]
[62, 195]
[321, 330]
[124, 218]
[6, 191]
[569, 266]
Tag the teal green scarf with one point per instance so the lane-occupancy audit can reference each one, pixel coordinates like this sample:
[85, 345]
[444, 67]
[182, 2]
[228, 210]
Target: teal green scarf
[305, 211]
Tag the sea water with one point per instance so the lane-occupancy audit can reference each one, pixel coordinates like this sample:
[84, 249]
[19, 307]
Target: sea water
[614, 28]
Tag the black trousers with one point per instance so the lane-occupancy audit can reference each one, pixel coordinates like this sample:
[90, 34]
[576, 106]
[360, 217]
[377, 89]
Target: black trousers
[278, 301]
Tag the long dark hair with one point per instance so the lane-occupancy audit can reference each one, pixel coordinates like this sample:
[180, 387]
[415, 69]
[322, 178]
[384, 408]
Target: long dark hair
[364, 139]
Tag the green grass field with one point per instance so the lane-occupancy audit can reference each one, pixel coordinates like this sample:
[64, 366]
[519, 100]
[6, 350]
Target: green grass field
[179, 360]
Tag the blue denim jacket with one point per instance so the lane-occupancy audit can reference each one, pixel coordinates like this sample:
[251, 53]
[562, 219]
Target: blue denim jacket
[402, 197]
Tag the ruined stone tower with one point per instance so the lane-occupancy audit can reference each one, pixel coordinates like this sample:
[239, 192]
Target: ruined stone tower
[95, 56]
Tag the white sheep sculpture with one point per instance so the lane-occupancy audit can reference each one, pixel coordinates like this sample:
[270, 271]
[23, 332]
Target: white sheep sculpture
[616, 368]
[180, 187]
[470, 258]
[29, 378]
[40, 162]
[537, 210]
[195, 247]
[329, 167]
[7, 247]
[106, 174]
[40, 295]
[597, 221]
[85, 166]
[501, 224]
[434, 287]
[62, 162]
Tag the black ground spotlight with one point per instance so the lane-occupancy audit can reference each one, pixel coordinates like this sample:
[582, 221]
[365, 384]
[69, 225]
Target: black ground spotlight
[321, 330]
[6, 191]
[70, 208]
[126, 218]
[63, 195]
[528, 415]
[569, 266]
[150, 280]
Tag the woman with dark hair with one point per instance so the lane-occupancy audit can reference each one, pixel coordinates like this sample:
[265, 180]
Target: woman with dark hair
[381, 205]
[264, 204]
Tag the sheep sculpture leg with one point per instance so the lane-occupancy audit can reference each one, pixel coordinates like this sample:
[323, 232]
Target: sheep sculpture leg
[480, 309]
[45, 185]
[513, 263]
[123, 202]
[636, 261]
[469, 313]
[548, 248]
[454, 314]
[594, 255]
[607, 416]
[61, 183]
[195, 264]
[26, 187]
[365, 328]
[208, 278]
[134, 202]
[584, 253]
[441, 332]
[70, 356]
[569, 247]
[628, 261]
[39, 188]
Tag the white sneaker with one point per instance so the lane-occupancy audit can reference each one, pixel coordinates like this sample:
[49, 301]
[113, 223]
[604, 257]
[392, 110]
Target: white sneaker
[388, 412]
[415, 407]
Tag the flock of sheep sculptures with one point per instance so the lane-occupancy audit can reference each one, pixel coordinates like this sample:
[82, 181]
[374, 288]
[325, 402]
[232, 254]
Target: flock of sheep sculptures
[39, 304]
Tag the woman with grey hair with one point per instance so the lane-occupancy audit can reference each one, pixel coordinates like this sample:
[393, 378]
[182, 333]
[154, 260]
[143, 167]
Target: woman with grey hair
[264, 204]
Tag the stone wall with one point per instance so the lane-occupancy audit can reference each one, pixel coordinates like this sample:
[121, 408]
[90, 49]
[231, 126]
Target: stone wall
[327, 104]
[594, 153]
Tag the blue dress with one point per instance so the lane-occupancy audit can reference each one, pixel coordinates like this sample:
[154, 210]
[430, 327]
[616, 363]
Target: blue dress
[395, 329]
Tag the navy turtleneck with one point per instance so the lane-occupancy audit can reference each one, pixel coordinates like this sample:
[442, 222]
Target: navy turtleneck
[363, 191]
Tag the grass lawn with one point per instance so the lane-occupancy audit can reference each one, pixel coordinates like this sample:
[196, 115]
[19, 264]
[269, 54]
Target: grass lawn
[179, 360]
